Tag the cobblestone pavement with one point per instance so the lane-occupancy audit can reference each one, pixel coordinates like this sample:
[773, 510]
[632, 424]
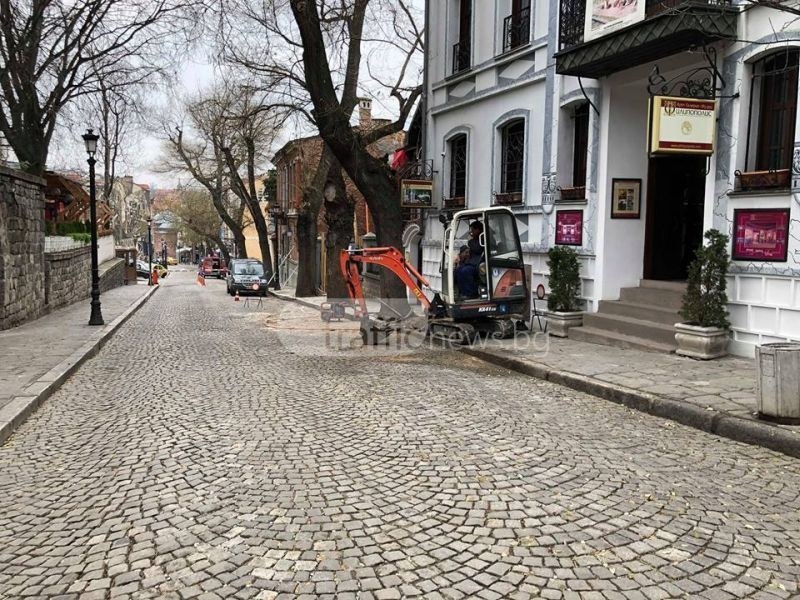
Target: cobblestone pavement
[29, 351]
[225, 458]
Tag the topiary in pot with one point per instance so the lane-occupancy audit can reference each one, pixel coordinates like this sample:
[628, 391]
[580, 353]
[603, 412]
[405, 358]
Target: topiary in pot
[563, 303]
[704, 334]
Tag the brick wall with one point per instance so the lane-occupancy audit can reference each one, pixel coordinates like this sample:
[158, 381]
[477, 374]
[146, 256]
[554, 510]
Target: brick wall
[67, 276]
[22, 268]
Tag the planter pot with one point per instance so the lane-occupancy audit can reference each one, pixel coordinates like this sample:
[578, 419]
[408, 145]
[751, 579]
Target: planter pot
[703, 343]
[559, 323]
[763, 180]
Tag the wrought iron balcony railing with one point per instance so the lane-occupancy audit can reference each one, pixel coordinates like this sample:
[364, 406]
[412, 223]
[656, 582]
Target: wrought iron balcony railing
[461, 57]
[516, 29]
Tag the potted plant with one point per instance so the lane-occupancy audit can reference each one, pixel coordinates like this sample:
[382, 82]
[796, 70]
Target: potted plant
[704, 333]
[563, 304]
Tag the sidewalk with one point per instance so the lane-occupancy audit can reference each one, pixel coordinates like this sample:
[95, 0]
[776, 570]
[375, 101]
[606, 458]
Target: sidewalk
[716, 396]
[36, 357]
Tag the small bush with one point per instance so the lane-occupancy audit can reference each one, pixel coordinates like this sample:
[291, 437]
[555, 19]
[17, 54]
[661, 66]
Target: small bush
[68, 227]
[85, 238]
[565, 279]
[706, 301]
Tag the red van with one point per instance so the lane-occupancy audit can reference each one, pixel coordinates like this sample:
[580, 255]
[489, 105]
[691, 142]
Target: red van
[214, 266]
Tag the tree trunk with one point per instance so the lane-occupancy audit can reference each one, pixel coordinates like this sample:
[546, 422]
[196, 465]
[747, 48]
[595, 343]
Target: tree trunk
[339, 215]
[31, 149]
[241, 244]
[307, 252]
[372, 176]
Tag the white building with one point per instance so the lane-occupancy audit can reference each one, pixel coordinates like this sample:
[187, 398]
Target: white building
[531, 104]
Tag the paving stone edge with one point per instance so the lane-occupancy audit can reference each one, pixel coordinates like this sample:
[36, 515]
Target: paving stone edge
[16, 412]
[716, 422]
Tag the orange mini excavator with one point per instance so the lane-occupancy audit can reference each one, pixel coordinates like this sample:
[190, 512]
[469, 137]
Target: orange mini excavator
[483, 290]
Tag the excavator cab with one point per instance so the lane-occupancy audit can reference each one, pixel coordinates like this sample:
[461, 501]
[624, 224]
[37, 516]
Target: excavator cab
[483, 275]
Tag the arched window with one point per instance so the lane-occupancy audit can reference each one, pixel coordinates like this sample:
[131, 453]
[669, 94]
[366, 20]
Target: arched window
[512, 166]
[775, 90]
[458, 167]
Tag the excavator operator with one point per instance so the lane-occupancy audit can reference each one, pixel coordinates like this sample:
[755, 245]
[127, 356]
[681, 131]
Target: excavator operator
[466, 274]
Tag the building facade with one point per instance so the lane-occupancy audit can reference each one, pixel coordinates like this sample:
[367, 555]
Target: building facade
[552, 107]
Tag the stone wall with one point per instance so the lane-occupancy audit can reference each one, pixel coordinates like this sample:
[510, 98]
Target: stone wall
[22, 289]
[68, 276]
[112, 274]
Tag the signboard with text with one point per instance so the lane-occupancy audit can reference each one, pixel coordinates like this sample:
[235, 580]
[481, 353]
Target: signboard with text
[682, 125]
[416, 193]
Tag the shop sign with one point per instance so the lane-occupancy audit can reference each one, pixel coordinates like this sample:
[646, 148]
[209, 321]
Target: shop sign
[682, 125]
[604, 16]
[416, 193]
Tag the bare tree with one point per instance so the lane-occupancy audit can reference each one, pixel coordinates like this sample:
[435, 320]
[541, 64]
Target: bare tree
[324, 64]
[254, 125]
[201, 154]
[52, 52]
[267, 46]
[197, 218]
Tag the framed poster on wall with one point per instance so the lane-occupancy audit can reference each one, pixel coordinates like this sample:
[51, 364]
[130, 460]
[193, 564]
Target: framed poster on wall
[761, 234]
[569, 227]
[626, 198]
[604, 16]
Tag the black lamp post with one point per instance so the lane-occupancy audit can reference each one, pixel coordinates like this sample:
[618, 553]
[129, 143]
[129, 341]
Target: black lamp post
[90, 140]
[149, 250]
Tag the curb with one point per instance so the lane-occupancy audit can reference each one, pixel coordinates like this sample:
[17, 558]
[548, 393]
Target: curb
[16, 412]
[719, 423]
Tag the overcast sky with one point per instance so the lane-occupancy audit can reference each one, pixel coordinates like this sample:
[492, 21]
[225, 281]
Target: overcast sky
[195, 74]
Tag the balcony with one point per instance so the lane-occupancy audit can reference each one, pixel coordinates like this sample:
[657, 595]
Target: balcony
[461, 57]
[516, 30]
[669, 27]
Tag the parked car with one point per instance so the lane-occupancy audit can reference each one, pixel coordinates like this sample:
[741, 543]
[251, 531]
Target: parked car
[172, 261]
[214, 266]
[143, 269]
[246, 276]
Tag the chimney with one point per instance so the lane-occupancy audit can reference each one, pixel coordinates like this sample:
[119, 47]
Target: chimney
[364, 113]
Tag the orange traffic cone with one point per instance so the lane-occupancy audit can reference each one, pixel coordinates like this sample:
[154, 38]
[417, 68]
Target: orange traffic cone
[236, 299]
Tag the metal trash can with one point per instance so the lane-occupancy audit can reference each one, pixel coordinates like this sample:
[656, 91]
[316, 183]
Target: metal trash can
[778, 382]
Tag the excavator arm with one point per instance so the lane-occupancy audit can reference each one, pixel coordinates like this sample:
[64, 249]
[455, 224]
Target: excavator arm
[390, 258]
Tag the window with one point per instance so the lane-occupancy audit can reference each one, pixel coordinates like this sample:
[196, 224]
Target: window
[513, 157]
[463, 49]
[777, 110]
[580, 147]
[458, 167]
[517, 26]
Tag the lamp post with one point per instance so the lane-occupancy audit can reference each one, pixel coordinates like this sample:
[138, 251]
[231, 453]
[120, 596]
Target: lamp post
[149, 250]
[90, 140]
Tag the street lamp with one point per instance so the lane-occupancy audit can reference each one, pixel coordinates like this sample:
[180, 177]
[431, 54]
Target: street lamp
[90, 140]
[149, 250]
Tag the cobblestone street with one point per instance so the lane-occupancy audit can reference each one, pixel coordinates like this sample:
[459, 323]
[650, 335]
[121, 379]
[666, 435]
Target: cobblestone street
[209, 452]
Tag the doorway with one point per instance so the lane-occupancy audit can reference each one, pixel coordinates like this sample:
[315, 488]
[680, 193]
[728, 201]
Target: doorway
[675, 198]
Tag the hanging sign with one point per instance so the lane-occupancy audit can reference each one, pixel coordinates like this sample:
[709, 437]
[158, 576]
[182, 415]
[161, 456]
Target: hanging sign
[682, 125]
[416, 193]
[604, 16]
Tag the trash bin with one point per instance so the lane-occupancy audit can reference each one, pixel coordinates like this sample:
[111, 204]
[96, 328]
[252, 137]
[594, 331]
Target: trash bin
[778, 382]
